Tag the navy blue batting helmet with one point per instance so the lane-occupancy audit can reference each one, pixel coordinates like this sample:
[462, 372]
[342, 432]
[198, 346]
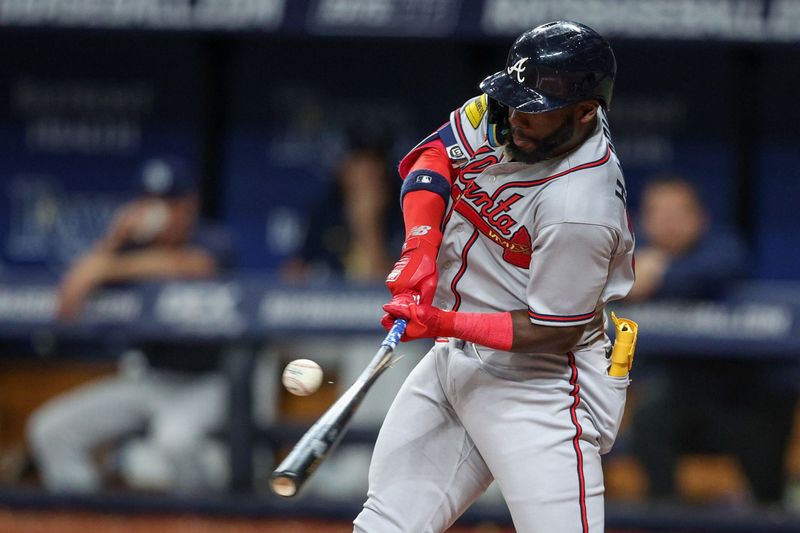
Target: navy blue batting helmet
[552, 66]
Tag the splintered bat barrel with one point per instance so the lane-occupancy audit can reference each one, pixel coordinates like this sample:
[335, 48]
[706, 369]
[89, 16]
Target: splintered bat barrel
[325, 434]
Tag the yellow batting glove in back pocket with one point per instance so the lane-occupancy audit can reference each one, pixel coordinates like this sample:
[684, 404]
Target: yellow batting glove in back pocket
[624, 346]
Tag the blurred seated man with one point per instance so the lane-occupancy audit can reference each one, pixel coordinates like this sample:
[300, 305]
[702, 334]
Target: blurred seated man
[702, 403]
[175, 398]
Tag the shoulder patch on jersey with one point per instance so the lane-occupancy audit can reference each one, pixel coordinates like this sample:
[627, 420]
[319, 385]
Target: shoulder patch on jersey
[475, 110]
[455, 152]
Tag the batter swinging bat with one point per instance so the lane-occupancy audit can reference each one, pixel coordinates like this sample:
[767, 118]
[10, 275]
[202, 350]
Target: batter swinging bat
[325, 434]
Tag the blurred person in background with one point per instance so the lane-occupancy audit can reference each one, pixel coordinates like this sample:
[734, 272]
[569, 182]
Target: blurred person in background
[683, 255]
[354, 230]
[701, 403]
[176, 398]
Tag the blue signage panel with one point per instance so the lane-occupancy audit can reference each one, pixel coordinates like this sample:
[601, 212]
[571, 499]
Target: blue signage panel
[79, 116]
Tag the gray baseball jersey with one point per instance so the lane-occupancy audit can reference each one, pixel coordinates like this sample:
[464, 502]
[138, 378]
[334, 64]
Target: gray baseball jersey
[553, 238]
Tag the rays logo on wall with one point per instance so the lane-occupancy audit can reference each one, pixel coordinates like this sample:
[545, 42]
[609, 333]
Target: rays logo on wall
[50, 226]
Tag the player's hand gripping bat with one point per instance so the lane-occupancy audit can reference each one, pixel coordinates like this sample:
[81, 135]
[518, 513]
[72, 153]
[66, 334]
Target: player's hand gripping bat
[325, 434]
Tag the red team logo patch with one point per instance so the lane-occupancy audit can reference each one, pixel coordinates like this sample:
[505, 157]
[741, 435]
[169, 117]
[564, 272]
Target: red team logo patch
[518, 249]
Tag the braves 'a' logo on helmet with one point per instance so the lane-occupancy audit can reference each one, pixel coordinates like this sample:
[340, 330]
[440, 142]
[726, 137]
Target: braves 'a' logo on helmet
[519, 68]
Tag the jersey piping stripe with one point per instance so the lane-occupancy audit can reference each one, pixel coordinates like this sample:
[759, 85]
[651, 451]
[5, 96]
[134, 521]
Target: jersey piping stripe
[460, 273]
[446, 135]
[576, 440]
[460, 131]
[560, 318]
[592, 164]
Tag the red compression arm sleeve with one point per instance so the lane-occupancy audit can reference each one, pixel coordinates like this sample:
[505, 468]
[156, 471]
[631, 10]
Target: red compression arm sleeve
[493, 330]
[425, 208]
[434, 157]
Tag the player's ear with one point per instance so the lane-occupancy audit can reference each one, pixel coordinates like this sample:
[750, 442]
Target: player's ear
[586, 111]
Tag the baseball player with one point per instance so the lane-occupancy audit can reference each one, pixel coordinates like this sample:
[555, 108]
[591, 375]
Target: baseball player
[517, 238]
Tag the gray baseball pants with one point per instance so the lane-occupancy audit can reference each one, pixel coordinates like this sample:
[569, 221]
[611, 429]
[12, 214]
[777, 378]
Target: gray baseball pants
[537, 424]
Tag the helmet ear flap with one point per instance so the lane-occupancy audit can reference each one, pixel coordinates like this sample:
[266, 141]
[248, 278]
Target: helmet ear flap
[498, 120]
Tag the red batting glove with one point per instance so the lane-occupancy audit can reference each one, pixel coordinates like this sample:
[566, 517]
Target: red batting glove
[415, 271]
[424, 320]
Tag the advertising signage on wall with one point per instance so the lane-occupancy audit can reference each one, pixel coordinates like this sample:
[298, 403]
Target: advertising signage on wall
[725, 20]
[265, 15]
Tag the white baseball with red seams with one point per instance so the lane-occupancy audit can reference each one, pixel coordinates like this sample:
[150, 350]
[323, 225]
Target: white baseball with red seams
[302, 377]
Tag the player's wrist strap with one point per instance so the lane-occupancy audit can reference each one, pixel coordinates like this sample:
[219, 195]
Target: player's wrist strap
[493, 330]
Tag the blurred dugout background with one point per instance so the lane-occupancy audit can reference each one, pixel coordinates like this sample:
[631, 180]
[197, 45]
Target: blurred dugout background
[264, 99]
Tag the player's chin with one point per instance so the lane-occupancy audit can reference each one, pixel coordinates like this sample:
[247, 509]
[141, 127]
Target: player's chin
[524, 152]
[523, 143]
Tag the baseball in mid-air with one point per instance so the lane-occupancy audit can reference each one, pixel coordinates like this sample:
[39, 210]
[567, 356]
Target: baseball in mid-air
[302, 377]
